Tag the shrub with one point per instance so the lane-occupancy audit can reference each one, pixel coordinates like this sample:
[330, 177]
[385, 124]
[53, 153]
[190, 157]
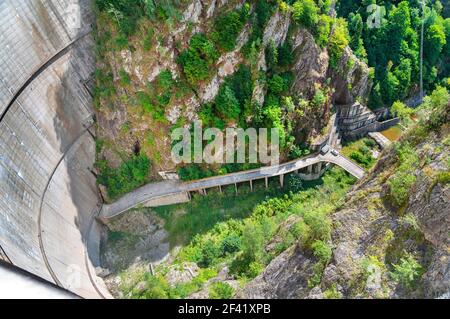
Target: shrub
[220, 290]
[241, 83]
[126, 13]
[130, 175]
[369, 142]
[301, 232]
[277, 84]
[148, 40]
[306, 12]
[322, 251]
[402, 111]
[254, 269]
[121, 41]
[364, 159]
[399, 186]
[228, 26]
[319, 224]
[145, 101]
[156, 288]
[197, 59]
[231, 244]
[285, 56]
[323, 29]
[364, 149]
[253, 240]
[339, 39]
[164, 80]
[227, 104]
[295, 183]
[319, 98]
[271, 53]
[210, 252]
[407, 272]
[190, 172]
[124, 77]
[403, 179]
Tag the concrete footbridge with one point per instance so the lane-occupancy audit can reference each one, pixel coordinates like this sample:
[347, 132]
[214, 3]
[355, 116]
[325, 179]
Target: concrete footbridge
[172, 192]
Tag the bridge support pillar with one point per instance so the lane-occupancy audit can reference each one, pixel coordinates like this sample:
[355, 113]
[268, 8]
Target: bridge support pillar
[282, 180]
[235, 188]
[202, 191]
[266, 179]
[220, 189]
[319, 167]
[310, 168]
[251, 185]
[189, 195]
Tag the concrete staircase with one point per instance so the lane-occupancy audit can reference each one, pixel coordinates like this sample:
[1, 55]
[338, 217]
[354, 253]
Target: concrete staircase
[335, 136]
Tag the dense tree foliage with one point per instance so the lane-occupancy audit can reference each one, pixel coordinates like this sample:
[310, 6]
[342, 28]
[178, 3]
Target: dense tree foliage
[130, 175]
[392, 45]
[198, 58]
[229, 25]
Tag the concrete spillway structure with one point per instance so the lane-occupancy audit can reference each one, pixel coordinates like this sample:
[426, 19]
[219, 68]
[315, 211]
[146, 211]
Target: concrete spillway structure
[48, 193]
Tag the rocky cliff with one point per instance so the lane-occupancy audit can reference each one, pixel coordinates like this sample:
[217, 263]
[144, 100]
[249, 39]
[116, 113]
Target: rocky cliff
[146, 55]
[381, 247]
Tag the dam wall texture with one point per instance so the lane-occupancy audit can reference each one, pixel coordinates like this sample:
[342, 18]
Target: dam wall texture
[48, 193]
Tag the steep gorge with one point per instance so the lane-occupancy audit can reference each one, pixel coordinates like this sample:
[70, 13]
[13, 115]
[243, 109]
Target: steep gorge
[136, 112]
[378, 244]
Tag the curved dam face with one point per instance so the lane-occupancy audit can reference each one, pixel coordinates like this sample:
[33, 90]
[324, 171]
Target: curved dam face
[48, 193]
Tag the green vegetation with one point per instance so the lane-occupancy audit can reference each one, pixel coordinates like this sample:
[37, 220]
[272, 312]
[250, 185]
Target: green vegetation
[127, 13]
[157, 287]
[124, 77]
[306, 12]
[130, 175]
[221, 290]
[338, 41]
[360, 151]
[393, 47]
[215, 231]
[403, 112]
[433, 113]
[403, 179]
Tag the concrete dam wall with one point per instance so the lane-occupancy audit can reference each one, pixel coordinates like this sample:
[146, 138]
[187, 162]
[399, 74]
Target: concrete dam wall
[48, 192]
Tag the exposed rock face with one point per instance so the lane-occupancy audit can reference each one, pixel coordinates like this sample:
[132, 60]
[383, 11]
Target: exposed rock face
[311, 63]
[121, 125]
[351, 79]
[141, 239]
[285, 277]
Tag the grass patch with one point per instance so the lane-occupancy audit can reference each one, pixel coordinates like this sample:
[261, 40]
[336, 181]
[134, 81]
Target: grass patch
[360, 152]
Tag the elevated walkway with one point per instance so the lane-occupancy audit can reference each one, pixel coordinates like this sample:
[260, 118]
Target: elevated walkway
[165, 189]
